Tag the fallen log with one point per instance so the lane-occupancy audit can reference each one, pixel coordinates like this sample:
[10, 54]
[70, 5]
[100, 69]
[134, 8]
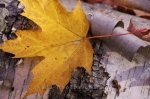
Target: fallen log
[106, 21]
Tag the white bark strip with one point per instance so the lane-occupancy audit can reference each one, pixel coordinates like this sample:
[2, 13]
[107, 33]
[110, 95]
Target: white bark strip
[104, 20]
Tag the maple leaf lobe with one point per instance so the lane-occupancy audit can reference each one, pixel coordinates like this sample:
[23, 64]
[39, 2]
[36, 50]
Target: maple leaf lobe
[56, 42]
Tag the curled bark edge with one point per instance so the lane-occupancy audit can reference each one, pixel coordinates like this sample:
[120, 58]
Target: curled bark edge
[105, 21]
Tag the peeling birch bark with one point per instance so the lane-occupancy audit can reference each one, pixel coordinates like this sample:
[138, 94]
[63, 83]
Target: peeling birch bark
[134, 4]
[105, 21]
[126, 45]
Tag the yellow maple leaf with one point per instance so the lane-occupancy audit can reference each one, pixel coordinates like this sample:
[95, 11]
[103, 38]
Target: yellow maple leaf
[61, 41]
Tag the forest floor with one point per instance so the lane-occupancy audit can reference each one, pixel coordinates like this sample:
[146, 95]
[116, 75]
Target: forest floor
[113, 75]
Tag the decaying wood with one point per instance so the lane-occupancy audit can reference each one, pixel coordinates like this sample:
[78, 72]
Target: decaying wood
[7, 64]
[2, 21]
[82, 85]
[107, 21]
[104, 20]
[131, 76]
[134, 4]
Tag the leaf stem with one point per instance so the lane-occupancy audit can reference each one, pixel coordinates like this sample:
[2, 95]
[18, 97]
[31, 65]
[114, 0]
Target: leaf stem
[107, 36]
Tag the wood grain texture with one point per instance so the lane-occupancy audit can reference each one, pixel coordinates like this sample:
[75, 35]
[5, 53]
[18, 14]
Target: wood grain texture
[133, 77]
[22, 78]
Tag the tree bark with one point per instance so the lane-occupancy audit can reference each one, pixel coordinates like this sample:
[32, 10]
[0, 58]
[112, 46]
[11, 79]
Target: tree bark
[81, 85]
